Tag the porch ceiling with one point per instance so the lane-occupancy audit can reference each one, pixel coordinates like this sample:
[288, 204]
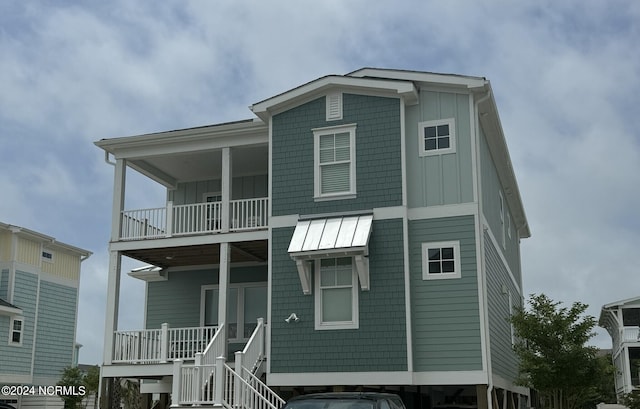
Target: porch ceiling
[246, 251]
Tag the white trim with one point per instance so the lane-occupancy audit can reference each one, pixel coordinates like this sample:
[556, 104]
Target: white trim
[276, 222]
[135, 370]
[339, 378]
[391, 212]
[332, 130]
[12, 320]
[450, 378]
[189, 240]
[457, 273]
[503, 236]
[405, 235]
[431, 212]
[267, 346]
[502, 383]
[422, 151]
[501, 255]
[355, 320]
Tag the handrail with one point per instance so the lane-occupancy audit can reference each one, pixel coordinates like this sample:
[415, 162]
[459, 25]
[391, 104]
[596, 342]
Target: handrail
[239, 393]
[215, 348]
[253, 352]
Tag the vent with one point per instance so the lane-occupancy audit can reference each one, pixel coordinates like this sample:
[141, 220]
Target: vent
[334, 106]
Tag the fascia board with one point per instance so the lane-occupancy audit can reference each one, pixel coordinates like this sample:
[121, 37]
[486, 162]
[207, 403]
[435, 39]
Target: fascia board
[426, 78]
[49, 241]
[490, 121]
[621, 303]
[186, 140]
[5, 310]
[315, 88]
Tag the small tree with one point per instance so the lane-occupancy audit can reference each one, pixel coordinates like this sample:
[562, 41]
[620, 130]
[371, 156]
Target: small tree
[554, 357]
[631, 400]
[91, 382]
[72, 376]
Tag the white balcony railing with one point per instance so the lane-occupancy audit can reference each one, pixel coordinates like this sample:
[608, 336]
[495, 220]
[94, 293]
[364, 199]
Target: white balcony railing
[196, 218]
[631, 334]
[160, 345]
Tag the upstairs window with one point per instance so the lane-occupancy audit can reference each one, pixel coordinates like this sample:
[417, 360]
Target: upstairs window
[335, 162]
[441, 260]
[16, 329]
[47, 255]
[437, 137]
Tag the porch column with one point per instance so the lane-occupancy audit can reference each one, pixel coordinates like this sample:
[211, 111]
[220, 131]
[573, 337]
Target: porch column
[120, 176]
[223, 287]
[113, 300]
[226, 189]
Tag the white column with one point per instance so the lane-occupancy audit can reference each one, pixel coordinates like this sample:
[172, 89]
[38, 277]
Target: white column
[223, 287]
[226, 189]
[113, 300]
[119, 183]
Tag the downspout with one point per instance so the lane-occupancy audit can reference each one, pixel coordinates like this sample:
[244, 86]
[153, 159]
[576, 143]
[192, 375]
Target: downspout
[480, 230]
[106, 159]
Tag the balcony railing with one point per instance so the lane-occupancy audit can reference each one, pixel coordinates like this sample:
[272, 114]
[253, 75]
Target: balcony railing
[196, 218]
[631, 334]
[160, 345]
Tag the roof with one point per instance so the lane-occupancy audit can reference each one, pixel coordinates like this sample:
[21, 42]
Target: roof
[48, 241]
[7, 308]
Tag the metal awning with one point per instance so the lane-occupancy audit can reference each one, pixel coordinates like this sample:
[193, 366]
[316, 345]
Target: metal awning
[346, 236]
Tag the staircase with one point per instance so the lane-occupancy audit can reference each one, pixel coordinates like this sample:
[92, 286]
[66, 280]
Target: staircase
[210, 381]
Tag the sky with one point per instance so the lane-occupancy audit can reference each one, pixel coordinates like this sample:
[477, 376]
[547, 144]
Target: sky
[565, 76]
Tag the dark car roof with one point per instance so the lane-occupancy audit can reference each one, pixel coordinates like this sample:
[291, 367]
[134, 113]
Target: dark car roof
[347, 395]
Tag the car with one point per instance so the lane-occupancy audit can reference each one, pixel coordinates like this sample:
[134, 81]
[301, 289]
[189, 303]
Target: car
[346, 400]
[6, 406]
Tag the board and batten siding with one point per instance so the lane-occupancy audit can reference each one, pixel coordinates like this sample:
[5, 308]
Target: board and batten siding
[242, 187]
[64, 265]
[377, 149]
[5, 246]
[177, 300]
[491, 190]
[29, 252]
[500, 292]
[440, 179]
[17, 359]
[55, 334]
[379, 344]
[445, 314]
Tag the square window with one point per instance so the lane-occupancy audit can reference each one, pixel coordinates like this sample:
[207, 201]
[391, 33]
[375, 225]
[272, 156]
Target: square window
[436, 137]
[441, 260]
[336, 295]
[334, 162]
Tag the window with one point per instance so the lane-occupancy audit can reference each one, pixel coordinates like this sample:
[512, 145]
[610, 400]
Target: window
[47, 255]
[437, 137]
[16, 329]
[336, 294]
[503, 236]
[245, 304]
[441, 260]
[335, 161]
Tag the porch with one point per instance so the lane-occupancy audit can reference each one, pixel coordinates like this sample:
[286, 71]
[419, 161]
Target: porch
[192, 219]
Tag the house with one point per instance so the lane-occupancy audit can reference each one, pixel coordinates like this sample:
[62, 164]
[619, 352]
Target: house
[622, 320]
[362, 231]
[39, 281]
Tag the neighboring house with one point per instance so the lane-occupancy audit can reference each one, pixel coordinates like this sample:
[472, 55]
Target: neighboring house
[622, 320]
[372, 219]
[39, 281]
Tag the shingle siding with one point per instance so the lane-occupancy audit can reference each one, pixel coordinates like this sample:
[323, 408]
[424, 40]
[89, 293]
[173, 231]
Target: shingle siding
[445, 313]
[379, 344]
[378, 155]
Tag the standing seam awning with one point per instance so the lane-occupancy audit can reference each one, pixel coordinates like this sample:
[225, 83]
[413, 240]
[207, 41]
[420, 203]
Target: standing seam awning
[331, 237]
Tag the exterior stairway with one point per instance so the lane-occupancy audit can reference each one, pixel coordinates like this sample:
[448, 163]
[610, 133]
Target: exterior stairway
[210, 381]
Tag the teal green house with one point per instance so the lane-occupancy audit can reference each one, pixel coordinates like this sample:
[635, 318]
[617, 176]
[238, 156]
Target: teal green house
[39, 282]
[361, 232]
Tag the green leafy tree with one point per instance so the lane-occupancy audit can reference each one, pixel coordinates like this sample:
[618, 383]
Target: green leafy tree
[554, 357]
[632, 400]
[91, 382]
[72, 377]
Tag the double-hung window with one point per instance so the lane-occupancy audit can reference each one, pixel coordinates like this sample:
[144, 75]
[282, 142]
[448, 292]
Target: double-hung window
[335, 161]
[336, 294]
[16, 330]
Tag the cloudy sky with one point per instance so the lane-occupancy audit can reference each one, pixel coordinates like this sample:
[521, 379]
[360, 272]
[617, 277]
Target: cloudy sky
[566, 77]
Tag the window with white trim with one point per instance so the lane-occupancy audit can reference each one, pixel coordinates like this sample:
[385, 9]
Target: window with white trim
[336, 295]
[335, 161]
[437, 137]
[246, 303]
[441, 260]
[16, 330]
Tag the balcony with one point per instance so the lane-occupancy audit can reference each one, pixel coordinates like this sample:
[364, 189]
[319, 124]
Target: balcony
[193, 219]
[631, 334]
